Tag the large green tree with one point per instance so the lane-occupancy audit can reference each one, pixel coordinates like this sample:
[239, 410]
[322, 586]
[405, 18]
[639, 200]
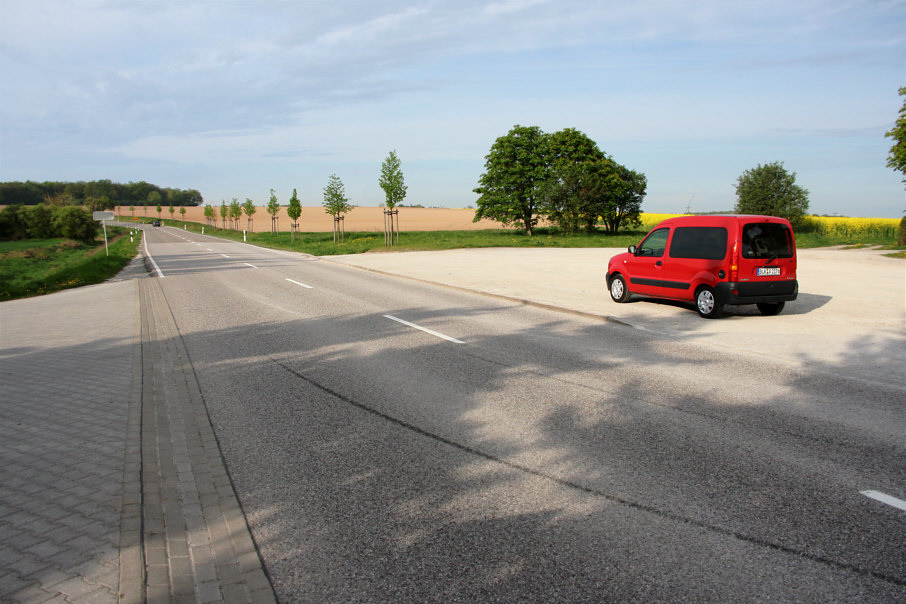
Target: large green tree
[769, 189]
[570, 196]
[584, 193]
[564, 177]
[623, 196]
[897, 157]
[511, 188]
[573, 190]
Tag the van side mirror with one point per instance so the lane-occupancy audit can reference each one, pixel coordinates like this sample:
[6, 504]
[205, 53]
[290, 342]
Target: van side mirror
[631, 249]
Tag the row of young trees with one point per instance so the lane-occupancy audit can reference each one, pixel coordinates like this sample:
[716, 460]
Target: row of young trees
[336, 203]
[97, 194]
[562, 177]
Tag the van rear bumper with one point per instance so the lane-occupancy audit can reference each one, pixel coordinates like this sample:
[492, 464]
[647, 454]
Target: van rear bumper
[752, 293]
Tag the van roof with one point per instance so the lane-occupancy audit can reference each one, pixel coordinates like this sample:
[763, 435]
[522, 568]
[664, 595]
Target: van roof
[723, 218]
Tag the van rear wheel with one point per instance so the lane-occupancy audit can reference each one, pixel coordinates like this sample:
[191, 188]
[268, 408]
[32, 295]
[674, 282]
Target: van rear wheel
[706, 302]
[769, 309]
[618, 290]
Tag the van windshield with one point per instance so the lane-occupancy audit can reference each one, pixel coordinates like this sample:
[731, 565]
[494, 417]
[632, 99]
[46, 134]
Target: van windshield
[654, 243]
[766, 240]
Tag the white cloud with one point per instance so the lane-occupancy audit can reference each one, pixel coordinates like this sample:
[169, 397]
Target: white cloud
[511, 6]
[206, 84]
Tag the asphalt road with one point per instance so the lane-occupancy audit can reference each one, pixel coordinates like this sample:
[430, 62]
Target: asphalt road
[517, 454]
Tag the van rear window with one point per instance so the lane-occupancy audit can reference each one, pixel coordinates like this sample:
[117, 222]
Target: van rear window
[706, 243]
[766, 240]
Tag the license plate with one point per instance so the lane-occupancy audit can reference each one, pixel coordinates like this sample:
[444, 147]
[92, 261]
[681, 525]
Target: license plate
[768, 271]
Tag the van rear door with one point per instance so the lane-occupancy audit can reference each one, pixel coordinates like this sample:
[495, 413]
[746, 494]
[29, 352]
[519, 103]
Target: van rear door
[767, 258]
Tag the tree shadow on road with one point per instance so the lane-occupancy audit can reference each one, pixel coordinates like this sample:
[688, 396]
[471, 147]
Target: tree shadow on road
[364, 479]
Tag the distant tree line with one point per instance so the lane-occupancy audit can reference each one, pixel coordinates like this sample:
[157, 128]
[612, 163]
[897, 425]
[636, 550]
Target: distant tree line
[97, 194]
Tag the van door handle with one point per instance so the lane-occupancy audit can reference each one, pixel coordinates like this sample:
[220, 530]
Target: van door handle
[659, 263]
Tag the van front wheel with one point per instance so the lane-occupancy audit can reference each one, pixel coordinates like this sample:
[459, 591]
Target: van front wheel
[769, 309]
[618, 290]
[706, 302]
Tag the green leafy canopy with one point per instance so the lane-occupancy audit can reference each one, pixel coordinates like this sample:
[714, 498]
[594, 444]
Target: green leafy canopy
[564, 177]
[335, 201]
[769, 189]
[897, 157]
[392, 181]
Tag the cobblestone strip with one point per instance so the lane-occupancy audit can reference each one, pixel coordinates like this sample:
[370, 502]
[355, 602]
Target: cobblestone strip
[197, 545]
[132, 559]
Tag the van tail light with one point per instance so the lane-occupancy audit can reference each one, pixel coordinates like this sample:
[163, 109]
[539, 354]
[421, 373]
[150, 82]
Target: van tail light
[734, 262]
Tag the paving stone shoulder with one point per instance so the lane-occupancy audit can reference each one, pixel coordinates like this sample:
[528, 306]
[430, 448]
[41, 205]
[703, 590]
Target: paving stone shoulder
[112, 487]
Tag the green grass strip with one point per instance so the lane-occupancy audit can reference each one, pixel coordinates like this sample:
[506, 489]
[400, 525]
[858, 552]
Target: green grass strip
[36, 267]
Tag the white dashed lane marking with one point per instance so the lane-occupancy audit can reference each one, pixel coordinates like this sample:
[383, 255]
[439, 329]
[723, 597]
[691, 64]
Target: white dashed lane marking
[425, 329]
[302, 284]
[885, 498]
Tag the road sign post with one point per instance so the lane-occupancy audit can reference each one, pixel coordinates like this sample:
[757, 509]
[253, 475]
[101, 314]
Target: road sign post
[104, 217]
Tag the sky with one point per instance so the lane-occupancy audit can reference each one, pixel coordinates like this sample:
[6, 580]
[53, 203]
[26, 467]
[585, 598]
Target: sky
[235, 98]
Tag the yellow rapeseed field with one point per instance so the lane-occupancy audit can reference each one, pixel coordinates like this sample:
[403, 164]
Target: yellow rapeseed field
[649, 220]
[834, 226]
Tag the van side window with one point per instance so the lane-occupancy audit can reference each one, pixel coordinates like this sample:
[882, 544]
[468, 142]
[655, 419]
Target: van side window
[706, 243]
[766, 240]
[654, 244]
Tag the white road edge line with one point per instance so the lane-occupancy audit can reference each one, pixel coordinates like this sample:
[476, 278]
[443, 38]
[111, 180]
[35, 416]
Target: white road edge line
[251, 265]
[150, 257]
[302, 284]
[425, 329]
[884, 498]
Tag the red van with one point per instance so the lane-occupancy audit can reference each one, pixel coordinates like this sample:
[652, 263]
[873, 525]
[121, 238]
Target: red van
[711, 261]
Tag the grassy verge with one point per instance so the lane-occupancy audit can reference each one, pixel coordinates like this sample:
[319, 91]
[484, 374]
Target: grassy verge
[35, 267]
[322, 244]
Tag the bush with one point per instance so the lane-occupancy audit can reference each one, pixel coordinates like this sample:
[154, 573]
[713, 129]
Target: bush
[46, 222]
[901, 239]
[12, 223]
[73, 222]
[39, 221]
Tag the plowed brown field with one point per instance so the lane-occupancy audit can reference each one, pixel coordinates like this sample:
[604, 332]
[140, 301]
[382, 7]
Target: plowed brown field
[316, 220]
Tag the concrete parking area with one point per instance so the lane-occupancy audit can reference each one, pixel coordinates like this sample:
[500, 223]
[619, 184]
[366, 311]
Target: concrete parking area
[850, 316]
